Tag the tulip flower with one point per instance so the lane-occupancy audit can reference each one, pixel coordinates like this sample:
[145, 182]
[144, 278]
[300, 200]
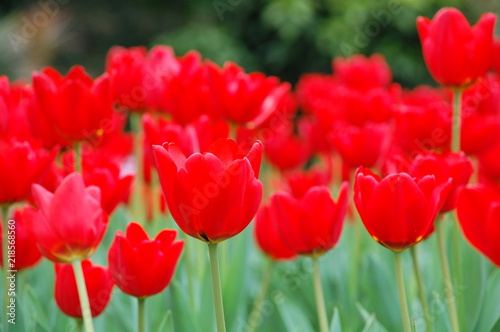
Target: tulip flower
[142, 267]
[268, 238]
[496, 55]
[27, 253]
[78, 106]
[455, 53]
[353, 71]
[398, 210]
[311, 226]
[212, 196]
[99, 287]
[21, 165]
[478, 211]
[69, 224]
[127, 70]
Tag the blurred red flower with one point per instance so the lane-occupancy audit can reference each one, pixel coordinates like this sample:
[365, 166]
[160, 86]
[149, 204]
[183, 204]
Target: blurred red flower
[142, 267]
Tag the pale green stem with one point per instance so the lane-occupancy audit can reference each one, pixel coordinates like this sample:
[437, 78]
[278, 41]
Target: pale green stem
[216, 287]
[320, 299]
[78, 157]
[402, 292]
[82, 294]
[448, 285]
[421, 289]
[259, 300]
[141, 314]
[456, 122]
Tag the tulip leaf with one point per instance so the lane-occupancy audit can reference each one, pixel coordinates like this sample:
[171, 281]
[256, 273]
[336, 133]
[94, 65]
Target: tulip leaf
[335, 325]
[371, 322]
[490, 313]
[293, 317]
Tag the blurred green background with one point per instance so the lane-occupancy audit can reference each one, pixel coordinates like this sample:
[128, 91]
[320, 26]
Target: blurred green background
[279, 37]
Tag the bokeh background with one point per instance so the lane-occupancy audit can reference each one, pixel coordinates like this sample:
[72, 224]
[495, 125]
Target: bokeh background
[278, 37]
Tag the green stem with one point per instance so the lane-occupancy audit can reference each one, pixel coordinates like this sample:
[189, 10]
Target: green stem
[82, 294]
[141, 314]
[78, 157]
[457, 271]
[216, 287]
[259, 300]
[456, 121]
[402, 292]
[139, 206]
[5, 217]
[79, 324]
[320, 300]
[421, 289]
[448, 285]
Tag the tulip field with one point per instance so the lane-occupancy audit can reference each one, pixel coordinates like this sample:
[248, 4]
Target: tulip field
[173, 194]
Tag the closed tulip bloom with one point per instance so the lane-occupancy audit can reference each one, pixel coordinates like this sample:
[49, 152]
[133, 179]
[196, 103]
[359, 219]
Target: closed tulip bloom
[398, 210]
[268, 238]
[77, 105]
[455, 53]
[353, 71]
[310, 225]
[478, 210]
[21, 165]
[212, 196]
[27, 253]
[99, 286]
[70, 223]
[142, 267]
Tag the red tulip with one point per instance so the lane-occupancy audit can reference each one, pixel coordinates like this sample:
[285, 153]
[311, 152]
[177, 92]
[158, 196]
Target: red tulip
[398, 210]
[142, 267]
[454, 166]
[478, 210]
[312, 224]
[286, 149]
[26, 251]
[212, 196]
[317, 95]
[354, 71]
[268, 238]
[99, 287]
[70, 223]
[21, 165]
[422, 121]
[299, 182]
[362, 146]
[127, 69]
[496, 55]
[455, 53]
[481, 115]
[245, 98]
[76, 105]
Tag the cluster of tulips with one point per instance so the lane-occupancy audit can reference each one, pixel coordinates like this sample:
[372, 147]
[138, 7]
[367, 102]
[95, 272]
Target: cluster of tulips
[401, 158]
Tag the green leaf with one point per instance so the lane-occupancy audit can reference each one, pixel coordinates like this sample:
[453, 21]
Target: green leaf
[371, 322]
[293, 317]
[490, 313]
[335, 325]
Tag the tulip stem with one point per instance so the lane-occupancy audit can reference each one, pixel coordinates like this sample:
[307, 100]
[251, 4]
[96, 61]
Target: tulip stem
[320, 299]
[139, 200]
[82, 294]
[78, 157]
[421, 289]
[216, 287]
[448, 285]
[402, 292]
[141, 314]
[259, 300]
[456, 122]
[5, 264]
